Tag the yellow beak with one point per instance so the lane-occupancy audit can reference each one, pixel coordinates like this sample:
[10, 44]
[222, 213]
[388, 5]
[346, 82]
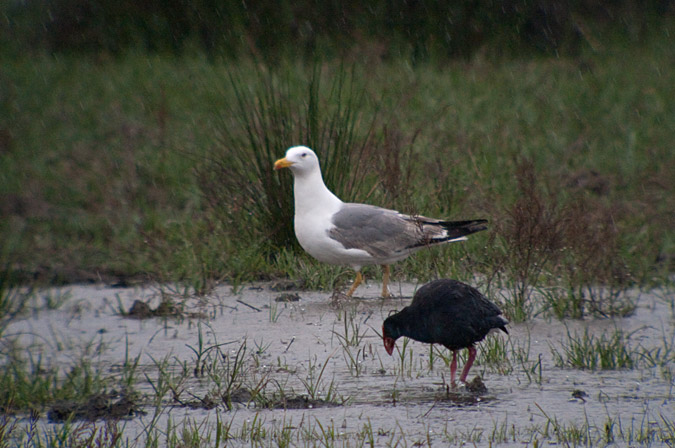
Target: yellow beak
[282, 163]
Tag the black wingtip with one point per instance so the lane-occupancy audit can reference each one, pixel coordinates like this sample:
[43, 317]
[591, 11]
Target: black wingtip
[458, 229]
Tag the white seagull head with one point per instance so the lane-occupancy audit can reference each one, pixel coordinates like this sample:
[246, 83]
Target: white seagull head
[300, 160]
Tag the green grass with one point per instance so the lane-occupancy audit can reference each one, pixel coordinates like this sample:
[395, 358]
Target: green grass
[610, 351]
[286, 432]
[13, 302]
[316, 386]
[271, 110]
[606, 352]
[30, 383]
[104, 162]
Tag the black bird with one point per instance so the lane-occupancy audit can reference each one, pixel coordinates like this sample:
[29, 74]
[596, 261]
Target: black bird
[445, 312]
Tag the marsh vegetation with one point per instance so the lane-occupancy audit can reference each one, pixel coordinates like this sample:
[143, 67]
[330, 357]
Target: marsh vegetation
[151, 289]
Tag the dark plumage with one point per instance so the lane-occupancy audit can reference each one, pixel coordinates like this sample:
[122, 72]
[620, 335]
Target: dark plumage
[445, 312]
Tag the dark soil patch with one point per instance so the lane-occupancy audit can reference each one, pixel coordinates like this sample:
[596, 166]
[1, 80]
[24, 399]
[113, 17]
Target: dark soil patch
[107, 406]
[286, 285]
[241, 396]
[244, 395]
[166, 308]
[300, 402]
[472, 393]
[579, 394]
[292, 402]
[476, 386]
[141, 310]
[69, 275]
[207, 403]
[288, 297]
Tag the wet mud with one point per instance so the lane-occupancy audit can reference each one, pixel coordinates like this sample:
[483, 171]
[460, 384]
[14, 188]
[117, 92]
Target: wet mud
[105, 406]
[311, 355]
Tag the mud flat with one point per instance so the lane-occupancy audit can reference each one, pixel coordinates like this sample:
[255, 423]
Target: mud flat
[284, 368]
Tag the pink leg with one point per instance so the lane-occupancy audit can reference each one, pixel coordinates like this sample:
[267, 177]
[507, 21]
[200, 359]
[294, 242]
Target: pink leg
[469, 363]
[453, 368]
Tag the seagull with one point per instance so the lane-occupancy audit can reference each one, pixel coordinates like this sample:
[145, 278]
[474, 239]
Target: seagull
[343, 233]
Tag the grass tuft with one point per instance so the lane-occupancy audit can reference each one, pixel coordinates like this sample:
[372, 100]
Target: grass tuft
[13, 302]
[605, 352]
[559, 251]
[27, 383]
[273, 110]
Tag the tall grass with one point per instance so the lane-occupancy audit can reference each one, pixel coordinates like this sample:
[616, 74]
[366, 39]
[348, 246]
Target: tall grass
[98, 177]
[550, 236]
[277, 29]
[273, 110]
[31, 384]
[13, 301]
[604, 352]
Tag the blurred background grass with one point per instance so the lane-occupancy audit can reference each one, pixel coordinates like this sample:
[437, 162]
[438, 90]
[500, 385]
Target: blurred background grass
[417, 30]
[125, 130]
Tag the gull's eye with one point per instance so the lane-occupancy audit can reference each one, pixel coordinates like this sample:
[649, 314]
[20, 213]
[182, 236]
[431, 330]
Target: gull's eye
[303, 155]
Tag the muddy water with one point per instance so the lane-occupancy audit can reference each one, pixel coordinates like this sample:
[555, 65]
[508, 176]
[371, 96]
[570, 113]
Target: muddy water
[404, 402]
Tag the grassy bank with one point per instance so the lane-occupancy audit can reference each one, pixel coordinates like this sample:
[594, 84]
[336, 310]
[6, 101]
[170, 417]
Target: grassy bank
[105, 166]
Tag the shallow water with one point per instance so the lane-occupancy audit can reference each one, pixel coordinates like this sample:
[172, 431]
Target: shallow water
[406, 404]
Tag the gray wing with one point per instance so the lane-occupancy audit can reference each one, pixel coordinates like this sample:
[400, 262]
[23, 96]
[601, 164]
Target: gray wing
[381, 232]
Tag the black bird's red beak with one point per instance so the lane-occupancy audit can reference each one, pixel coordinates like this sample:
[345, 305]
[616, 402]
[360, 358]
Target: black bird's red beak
[389, 344]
